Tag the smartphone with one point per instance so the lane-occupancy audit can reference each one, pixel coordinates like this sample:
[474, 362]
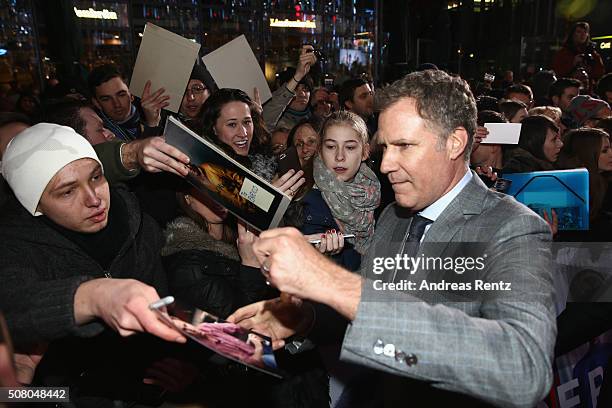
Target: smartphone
[288, 160]
[489, 77]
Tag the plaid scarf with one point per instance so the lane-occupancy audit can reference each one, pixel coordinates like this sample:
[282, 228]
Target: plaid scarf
[352, 203]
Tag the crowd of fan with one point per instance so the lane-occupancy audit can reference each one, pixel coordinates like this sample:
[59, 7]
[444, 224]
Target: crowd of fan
[204, 257]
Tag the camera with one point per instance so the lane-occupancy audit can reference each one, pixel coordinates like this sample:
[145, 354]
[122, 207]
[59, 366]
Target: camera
[320, 56]
[588, 59]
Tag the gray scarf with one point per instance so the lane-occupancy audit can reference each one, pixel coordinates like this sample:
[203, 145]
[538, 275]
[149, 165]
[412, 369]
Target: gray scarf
[352, 203]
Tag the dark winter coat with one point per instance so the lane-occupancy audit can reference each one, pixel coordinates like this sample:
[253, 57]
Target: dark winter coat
[207, 273]
[40, 271]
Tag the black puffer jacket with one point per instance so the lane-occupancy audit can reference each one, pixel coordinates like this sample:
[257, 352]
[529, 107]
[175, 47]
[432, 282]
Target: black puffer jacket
[519, 160]
[207, 273]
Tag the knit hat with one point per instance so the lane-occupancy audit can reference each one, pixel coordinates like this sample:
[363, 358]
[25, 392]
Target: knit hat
[583, 108]
[35, 155]
[200, 72]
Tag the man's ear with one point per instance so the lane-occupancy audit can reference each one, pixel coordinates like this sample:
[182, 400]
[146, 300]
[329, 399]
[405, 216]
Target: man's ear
[348, 105]
[457, 143]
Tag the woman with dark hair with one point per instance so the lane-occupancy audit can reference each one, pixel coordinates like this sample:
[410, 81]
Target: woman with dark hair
[234, 122]
[305, 137]
[590, 148]
[513, 111]
[578, 51]
[538, 148]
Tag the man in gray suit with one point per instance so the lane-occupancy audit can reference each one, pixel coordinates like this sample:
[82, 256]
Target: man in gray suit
[445, 345]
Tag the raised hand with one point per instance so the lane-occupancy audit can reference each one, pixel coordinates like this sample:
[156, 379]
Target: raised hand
[306, 61]
[290, 182]
[152, 104]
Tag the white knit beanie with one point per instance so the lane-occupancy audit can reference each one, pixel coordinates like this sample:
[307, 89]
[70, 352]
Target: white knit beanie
[35, 155]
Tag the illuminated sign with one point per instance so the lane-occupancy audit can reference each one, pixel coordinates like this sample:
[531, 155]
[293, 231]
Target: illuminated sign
[275, 22]
[605, 45]
[91, 13]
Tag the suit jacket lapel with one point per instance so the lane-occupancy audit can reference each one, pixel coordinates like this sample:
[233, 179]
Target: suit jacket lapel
[468, 202]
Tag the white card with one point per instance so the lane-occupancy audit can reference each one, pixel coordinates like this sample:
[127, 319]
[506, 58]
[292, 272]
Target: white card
[234, 66]
[256, 194]
[502, 133]
[166, 59]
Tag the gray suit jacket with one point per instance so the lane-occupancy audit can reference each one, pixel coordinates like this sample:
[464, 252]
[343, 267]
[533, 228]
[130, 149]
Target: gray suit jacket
[496, 347]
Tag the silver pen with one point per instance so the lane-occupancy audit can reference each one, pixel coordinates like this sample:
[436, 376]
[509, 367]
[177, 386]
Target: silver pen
[168, 300]
[318, 241]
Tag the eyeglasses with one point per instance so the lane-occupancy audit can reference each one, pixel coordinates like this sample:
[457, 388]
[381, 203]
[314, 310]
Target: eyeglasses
[195, 90]
[308, 143]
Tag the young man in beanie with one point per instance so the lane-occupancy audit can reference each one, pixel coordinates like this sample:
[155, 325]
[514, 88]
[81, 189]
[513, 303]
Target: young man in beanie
[80, 262]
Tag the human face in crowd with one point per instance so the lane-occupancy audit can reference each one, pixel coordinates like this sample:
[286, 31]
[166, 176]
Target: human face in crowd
[114, 98]
[343, 151]
[234, 127]
[306, 141]
[552, 145]
[362, 102]
[28, 104]
[279, 141]
[486, 154]
[519, 115]
[605, 156]
[566, 97]
[194, 97]
[8, 132]
[334, 100]
[580, 36]
[95, 131]
[603, 113]
[419, 169]
[321, 106]
[300, 100]
[521, 97]
[77, 197]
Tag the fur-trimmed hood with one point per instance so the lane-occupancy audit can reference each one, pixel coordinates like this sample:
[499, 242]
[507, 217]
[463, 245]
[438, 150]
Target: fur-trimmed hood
[184, 234]
[263, 165]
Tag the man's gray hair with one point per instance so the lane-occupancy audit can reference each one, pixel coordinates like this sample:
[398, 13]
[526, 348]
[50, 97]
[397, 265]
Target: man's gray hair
[444, 102]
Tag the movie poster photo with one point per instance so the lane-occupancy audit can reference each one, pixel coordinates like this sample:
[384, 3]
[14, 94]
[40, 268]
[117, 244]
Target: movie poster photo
[227, 182]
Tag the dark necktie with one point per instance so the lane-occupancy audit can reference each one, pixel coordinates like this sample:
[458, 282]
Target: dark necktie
[417, 228]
